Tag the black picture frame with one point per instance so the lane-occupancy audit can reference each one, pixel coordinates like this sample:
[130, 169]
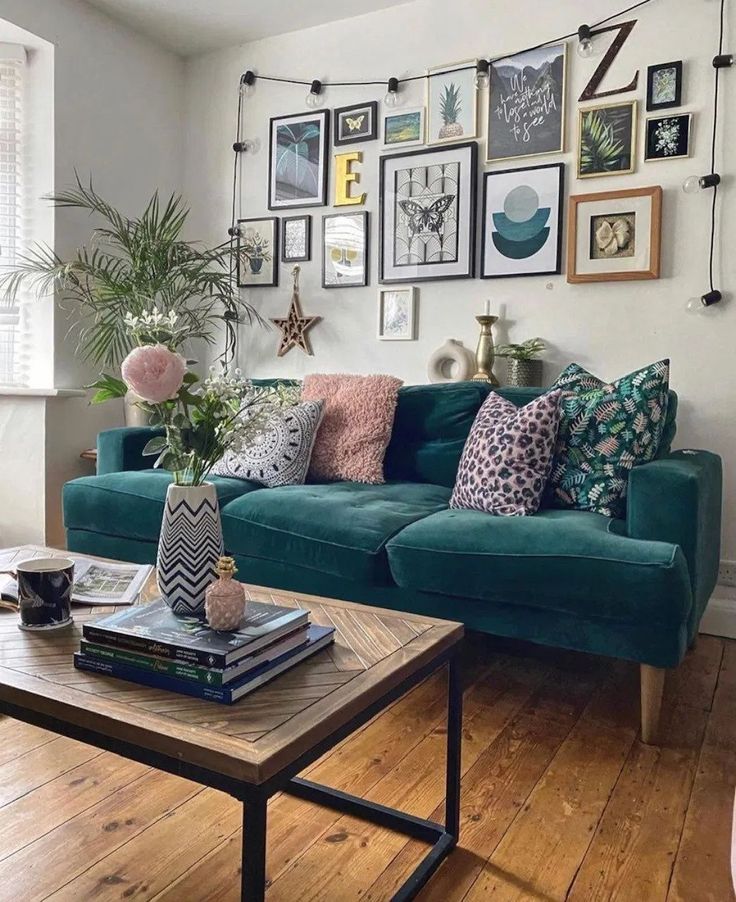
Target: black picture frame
[557, 269]
[254, 283]
[652, 106]
[370, 109]
[386, 160]
[320, 197]
[680, 146]
[307, 220]
[366, 248]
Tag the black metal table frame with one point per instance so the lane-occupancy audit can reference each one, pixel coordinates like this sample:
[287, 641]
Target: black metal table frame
[255, 796]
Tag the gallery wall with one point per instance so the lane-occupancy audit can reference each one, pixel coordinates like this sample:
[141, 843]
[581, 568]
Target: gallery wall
[611, 328]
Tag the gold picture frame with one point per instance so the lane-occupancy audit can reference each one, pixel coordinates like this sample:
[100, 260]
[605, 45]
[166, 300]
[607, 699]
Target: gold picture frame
[633, 106]
[624, 206]
[466, 75]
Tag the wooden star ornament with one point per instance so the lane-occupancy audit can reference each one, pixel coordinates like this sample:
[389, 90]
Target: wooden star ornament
[294, 325]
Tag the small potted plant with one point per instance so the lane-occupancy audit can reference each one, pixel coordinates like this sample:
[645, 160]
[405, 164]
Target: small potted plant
[256, 250]
[524, 365]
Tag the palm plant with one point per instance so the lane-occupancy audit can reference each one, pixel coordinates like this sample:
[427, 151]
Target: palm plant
[130, 267]
[600, 150]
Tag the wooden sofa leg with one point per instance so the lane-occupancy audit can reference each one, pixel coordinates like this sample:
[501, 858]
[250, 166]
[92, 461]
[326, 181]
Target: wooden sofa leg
[652, 685]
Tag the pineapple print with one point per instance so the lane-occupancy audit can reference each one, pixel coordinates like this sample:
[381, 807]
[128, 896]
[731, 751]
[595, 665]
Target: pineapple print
[450, 111]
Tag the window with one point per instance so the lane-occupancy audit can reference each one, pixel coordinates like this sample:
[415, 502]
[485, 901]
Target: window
[12, 71]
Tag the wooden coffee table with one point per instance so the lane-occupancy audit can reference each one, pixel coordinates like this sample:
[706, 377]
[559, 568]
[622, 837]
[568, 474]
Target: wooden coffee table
[255, 748]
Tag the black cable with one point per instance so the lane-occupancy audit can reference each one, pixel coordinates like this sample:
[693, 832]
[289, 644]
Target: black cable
[713, 147]
[409, 78]
[230, 333]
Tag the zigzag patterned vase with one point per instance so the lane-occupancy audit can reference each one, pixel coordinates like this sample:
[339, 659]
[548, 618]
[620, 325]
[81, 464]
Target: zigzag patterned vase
[189, 547]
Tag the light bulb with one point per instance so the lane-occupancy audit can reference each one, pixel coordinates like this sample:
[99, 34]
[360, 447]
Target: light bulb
[692, 185]
[585, 42]
[481, 75]
[247, 81]
[315, 98]
[392, 97]
[585, 49]
[695, 305]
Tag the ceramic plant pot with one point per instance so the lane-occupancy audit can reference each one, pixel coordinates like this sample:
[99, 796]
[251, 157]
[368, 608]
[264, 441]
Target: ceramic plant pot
[135, 415]
[524, 372]
[189, 547]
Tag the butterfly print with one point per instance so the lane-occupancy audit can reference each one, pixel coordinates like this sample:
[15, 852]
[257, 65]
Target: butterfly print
[354, 123]
[427, 219]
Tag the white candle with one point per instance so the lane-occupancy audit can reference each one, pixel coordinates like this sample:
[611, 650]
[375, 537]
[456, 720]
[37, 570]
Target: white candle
[488, 308]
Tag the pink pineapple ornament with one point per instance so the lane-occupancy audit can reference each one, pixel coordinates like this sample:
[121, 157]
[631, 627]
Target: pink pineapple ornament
[224, 604]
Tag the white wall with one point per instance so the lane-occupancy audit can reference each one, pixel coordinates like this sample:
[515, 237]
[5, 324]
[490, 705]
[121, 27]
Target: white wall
[612, 328]
[117, 115]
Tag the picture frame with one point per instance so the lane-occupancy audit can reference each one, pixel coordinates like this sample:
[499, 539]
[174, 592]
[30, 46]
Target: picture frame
[614, 236]
[355, 123]
[296, 239]
[298, 160]
[667, 137]
[664, 86]
[345, 245]
[397, 313]
[521, 221]
[527, 120]
[427, 214]
[452, 103]
[601, 129]
[404, 128]
[258, 252]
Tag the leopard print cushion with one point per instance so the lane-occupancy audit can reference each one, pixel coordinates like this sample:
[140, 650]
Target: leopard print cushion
[508, 456]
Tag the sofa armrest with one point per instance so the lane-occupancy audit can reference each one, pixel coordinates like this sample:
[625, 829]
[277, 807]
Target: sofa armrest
[678, 499]
[122, 449]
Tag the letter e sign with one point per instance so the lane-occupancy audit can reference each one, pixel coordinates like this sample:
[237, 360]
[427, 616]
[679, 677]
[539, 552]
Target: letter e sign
[344, 176]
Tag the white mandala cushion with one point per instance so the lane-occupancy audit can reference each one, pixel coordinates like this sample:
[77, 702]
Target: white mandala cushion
[280, 455]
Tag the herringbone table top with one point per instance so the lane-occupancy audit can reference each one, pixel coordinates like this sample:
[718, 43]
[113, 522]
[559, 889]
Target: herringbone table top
[374, 651]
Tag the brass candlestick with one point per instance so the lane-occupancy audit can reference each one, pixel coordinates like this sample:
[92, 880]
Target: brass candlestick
[484, 354]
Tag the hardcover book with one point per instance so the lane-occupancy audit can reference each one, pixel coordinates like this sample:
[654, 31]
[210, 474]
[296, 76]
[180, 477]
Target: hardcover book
[209, 676]
[154, 629]
[318, 638]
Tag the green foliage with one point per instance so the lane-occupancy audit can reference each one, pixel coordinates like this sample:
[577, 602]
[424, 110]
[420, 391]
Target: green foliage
[130, 266]
[108, 387]
[527, 350]
[600, 147]
[450, 105]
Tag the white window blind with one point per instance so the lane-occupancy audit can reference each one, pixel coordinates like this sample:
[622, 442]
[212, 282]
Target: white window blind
[12, 200]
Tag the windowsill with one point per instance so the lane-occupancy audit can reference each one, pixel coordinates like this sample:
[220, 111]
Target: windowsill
[16, 391]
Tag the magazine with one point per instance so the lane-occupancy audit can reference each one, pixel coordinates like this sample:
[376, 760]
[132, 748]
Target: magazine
[95, 582]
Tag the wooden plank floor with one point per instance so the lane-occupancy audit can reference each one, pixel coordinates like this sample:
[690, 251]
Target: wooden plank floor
[560, 799]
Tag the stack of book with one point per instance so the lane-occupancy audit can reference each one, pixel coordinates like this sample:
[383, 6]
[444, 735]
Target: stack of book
[149, 644]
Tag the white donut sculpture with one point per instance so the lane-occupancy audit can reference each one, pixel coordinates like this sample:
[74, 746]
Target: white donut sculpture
[451, 363]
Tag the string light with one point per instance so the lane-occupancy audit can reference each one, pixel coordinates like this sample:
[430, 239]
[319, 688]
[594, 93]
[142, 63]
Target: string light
[482, 76]
[315, 98]
[392, 94]
[585, 42]
[696, 183]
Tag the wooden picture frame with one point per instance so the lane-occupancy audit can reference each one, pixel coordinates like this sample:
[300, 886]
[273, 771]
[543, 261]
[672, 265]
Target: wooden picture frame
[622, 203]
[652, 104]
[633, 106]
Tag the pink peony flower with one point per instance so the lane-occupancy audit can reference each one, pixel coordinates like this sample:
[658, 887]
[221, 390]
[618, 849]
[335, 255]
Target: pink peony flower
[154, 373]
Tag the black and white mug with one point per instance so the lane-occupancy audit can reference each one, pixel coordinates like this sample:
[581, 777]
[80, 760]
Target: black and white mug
[45, 587]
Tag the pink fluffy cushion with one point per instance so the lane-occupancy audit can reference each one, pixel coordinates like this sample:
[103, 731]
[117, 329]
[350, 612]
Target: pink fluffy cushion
[508, 456]
[356, 427]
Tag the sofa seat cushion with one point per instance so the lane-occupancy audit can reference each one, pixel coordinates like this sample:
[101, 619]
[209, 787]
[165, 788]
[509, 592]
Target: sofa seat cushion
[131, 504]
[574, 562]
[338, 528]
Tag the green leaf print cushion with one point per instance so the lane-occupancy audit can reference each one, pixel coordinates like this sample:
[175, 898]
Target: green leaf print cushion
[606, 429]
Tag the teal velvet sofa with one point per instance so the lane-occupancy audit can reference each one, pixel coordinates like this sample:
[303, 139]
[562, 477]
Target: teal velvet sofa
[633, 588]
